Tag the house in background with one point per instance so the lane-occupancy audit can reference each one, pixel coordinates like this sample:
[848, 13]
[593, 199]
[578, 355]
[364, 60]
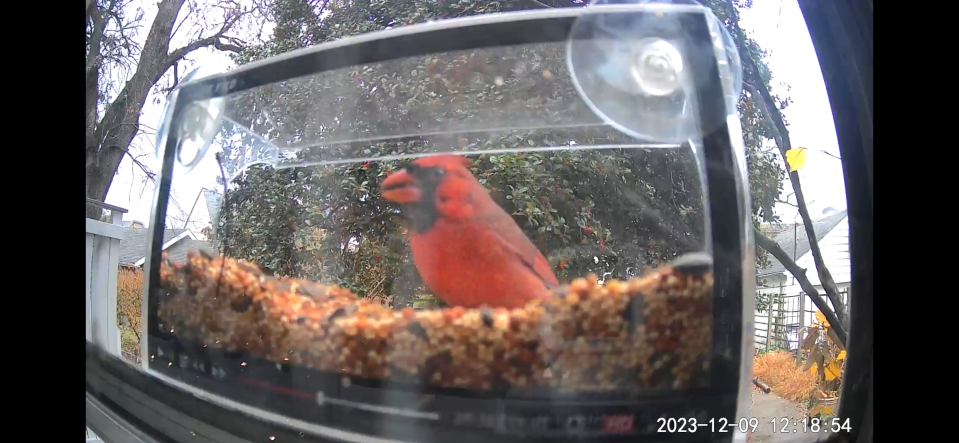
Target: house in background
[775, 282]
[176, 243]
[203, 215]
[196, 235]
[134, 224]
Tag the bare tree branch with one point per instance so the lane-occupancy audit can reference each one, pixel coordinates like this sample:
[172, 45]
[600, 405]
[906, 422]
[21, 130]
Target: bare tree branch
[111, 129]
[767, 106]
[218, 41]
[146, 170]
[773, 248]
[825, 277]
[176, 75]
[786, 203]
[185, 18]
[831, 155]
[91, 9]
[99, 25]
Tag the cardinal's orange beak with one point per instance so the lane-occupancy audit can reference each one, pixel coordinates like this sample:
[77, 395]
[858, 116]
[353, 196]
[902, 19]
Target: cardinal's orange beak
[401, 187]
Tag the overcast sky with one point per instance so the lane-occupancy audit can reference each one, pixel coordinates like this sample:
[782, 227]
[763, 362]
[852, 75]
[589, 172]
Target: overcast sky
[778, 26]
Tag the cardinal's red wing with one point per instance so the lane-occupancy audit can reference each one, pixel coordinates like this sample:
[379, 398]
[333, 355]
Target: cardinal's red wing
[515, 240]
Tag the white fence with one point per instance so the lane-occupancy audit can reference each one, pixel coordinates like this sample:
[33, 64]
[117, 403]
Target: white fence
[782, 326]
[103, 260]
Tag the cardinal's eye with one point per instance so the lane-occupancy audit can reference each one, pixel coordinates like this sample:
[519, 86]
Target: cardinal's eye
[432, 174]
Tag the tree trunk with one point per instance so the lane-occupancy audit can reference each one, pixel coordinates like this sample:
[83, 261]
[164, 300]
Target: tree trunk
[108, 140]
[97, 21]
[111, 137]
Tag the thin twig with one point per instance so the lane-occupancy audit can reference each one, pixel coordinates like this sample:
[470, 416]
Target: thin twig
[215, 40]
[831, 155]
[786, 203]
[150, 174]
[188, 14]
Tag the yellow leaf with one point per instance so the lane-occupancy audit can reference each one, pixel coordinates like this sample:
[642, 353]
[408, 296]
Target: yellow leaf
[796, 158]
[821, 410]
[842, 355]
[821, 318]
[833, 371]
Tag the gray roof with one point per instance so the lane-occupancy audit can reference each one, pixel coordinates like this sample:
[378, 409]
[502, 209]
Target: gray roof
[798, 245]
[133, 247]
[177, 252]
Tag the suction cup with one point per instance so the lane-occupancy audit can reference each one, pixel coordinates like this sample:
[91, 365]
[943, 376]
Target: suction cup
[628, 61]
[199, 125]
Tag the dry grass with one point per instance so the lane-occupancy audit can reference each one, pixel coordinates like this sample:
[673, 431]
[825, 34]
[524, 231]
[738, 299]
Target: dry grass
[129, 294]
[779, 371]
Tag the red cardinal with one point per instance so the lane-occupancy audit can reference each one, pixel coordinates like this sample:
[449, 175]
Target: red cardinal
[468, 250]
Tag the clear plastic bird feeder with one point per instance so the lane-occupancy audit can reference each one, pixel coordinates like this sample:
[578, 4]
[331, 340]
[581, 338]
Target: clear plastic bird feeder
[608, 133]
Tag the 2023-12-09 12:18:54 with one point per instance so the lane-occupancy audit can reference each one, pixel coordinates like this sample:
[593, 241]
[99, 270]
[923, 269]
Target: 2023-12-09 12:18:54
[782, 425]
